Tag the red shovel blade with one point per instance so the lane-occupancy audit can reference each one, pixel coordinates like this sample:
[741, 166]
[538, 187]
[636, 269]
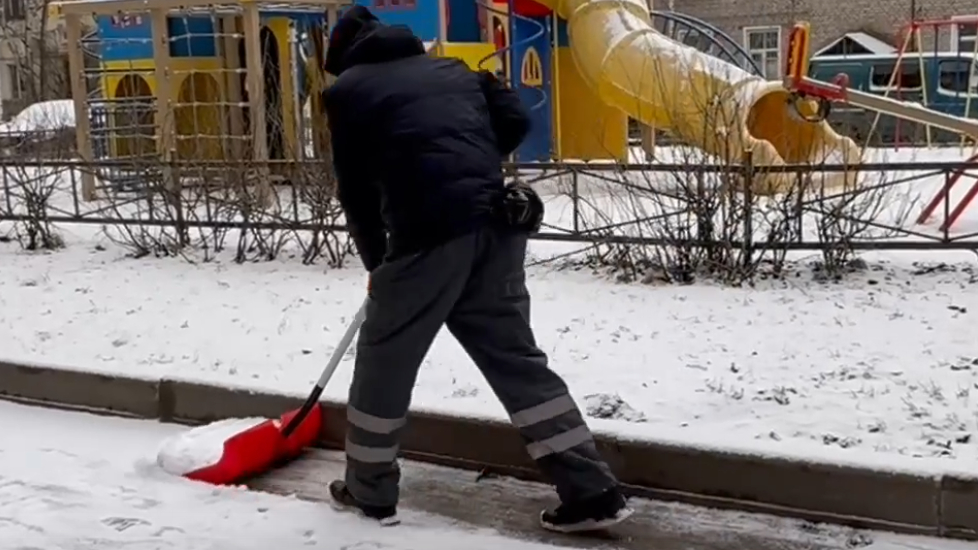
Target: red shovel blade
[260, 448]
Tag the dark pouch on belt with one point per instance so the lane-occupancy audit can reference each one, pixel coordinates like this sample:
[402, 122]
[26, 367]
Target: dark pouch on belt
[519, 207]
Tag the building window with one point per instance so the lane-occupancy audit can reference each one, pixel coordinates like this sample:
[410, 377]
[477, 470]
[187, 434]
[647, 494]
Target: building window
[15, 81]
[13, 10]
[764, 45]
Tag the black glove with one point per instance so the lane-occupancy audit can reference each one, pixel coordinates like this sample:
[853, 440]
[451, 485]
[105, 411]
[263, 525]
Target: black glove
[520, 207]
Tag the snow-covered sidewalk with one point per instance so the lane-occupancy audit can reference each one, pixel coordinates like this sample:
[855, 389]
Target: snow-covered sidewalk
[74, 481]
[79, 482]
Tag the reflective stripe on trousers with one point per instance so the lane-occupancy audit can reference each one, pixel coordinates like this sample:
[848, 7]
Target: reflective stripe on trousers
[372, 439]
[554, 426]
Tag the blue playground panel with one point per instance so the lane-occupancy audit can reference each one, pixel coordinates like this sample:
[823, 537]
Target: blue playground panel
[533, 34]
[127, 38]
[192, 37]
[463, 21]
[421, 16]
[124, 38]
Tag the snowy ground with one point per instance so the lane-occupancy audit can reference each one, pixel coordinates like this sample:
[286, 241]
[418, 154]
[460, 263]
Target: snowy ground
[59, 488]
[883, 364]
[886, 361]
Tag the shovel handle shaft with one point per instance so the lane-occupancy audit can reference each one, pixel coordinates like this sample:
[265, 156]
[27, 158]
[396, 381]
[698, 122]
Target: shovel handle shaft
[331, 365]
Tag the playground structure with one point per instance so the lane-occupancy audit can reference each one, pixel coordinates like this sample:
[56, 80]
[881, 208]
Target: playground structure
[913, 35]
[611, 61]
[193, 80]
[173, 80]
[233, 68]
[805, 89]
[934, 76]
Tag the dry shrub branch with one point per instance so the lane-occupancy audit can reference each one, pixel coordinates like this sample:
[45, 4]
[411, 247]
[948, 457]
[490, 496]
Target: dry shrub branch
[36, 182]
[198, 208]
[233, 206]
[31, 190]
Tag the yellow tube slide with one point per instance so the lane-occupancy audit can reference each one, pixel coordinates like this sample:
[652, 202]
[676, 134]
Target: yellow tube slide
[700, 99]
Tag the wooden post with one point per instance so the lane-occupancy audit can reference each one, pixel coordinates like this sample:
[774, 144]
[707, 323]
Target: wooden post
[165, 138]
[223, 107]
[256, 96]
[79, 97]
[232, 83]
[321, 138]
[443, 22]
[298, 139]
[317, 86]
[332, 18]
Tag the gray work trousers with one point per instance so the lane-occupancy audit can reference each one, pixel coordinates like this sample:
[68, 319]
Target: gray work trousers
[476, 286]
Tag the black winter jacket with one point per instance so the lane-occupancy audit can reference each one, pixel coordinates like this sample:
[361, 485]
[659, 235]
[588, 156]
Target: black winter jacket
[418, 141]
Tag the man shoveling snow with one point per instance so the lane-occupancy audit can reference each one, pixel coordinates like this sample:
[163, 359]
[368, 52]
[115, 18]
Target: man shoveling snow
[418, 145]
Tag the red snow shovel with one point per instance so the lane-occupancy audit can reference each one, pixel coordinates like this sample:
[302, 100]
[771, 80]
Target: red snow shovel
[261, 448]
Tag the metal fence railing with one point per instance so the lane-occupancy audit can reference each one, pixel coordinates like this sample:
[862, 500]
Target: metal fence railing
[626, 204]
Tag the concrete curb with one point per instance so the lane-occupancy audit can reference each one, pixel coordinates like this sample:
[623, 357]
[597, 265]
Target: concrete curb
[865, 498]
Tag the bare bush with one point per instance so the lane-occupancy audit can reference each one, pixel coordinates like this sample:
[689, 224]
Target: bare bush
[875, 209]
[39, 130]
[151, 214]
[682, 220]
[316, 189]
[257, 210]
[35, 187]
[189, 180]
[688, 218]
[732, 204]
[30, 189]
[223, 206]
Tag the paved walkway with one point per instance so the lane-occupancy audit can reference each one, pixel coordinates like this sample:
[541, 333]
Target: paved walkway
[512, 507]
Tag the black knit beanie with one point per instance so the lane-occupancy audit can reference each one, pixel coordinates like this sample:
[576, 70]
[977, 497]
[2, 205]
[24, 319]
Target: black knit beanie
[351, 23]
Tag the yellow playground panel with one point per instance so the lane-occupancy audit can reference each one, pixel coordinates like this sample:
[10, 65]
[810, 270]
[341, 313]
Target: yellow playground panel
[197, 114]
[477, 55]
[585, 127]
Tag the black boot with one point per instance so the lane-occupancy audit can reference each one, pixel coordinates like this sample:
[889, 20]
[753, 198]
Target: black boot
[385, 515]
[591, 514]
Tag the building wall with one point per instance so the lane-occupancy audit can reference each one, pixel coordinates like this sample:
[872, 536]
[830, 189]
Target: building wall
[21, 43]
